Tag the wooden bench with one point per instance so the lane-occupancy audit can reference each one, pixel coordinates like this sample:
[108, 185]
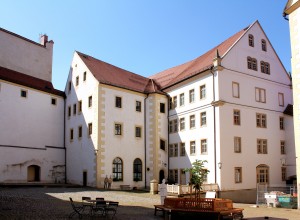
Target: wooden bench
[191, 208]
[125, 187]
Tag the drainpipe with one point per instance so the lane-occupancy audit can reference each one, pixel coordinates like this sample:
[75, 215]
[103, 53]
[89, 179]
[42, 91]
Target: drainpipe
[65, 100]
[145, 141]
[215, 141]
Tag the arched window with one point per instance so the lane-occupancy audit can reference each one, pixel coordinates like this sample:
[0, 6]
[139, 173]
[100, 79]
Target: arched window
[251, 40]
[263, 45]
[137, 170]
[265, 67]
[117, 169]
[262, 174]
[252, 63]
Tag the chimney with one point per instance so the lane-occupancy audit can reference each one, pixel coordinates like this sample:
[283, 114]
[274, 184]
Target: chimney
[43, 39]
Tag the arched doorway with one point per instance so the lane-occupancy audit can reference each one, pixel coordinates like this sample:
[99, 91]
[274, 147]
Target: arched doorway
[33, 173]
[161, 175]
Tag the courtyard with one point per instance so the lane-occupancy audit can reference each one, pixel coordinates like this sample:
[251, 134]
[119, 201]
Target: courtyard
[53, 203]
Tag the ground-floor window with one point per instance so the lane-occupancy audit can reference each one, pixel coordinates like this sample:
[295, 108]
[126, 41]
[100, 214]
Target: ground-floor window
[262, 174]
[173, 176]
[117, 169]
[137, 170]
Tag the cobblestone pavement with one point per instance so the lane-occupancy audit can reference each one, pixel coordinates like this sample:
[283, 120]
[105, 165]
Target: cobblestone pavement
[53, 203]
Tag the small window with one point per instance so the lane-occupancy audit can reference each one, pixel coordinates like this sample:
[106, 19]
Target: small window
[182, 124]
[236, 117]
[162, 107]
[260, 95]
[182, 149]
[282, 147]
[175, 150]
[70, 86]
[162, 144]
[237, 174]
[283, 173]
[77, 80]
[262, 146]
[138, 132]
[261, 120]
[251, 40]
[84, 76]
[170, 127]
[202, 92]
[90, 129]
[80, 132]
[192, 122]
[203, 119]
[192, 95]
[79, 107]
[71, 134]
[252, 63]
[181, 99]
[263, 45]
[237, 144]
[138, 106]
[69, 111]
[192, 148]
[23, 93]
[118, 129]
[280, 99]
[281, 123]
[118, 103]
[90, 101]
[74, 109]
[265, 67]
[235, 90]
[204, 146]
[174, 102]
[53, 101]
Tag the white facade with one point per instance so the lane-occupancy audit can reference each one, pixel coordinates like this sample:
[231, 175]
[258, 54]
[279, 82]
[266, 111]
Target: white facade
[31, 119]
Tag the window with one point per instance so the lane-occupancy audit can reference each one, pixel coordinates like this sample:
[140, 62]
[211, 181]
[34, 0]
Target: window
[192, 121]
[90, 129]
[175, 150]
[264, 67]
[23, 93]
[69, 111]
[118, 102]
[181, 100]
[71, 134]
[171, 150]
[204, 146]
[262, 146]
[74, 109]
[175, 125]
[252, 63]
[192, 95]
[138, 132]
[174, 102]
[282, 147]
[53, 101]
[118, 129]
[202, 119]
[261, 120]
[262, 174]
[237, 174]
[173, 176]
[138, 106]
[182, 124]
[263, 45]
[79, 107]
[237, 144]
[281, 123]
[236, 117]
[80, 132]
[137, 170]
[235, 90]
[192, 148]
[283, 173]
[162, 107]
[70, 86]
[77, 80]
[251, 40]
[117, 169]
[162, 144]
[260, 95]
[182, 149]
[90, 101]
[202, 92]
[84, 76]
[170, 127]
[281, 99]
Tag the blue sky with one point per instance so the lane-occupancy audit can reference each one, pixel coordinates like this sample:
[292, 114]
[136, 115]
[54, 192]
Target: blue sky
[142, 36]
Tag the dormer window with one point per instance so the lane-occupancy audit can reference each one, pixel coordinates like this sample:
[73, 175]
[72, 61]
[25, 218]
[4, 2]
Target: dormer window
[263, 45]
[251, 40]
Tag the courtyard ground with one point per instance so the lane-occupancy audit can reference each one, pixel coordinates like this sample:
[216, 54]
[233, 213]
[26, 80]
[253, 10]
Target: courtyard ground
[53, 203]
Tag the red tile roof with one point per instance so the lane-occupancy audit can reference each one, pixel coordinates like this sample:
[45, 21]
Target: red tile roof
[176, 74]
[108, 74]
[29, 81]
